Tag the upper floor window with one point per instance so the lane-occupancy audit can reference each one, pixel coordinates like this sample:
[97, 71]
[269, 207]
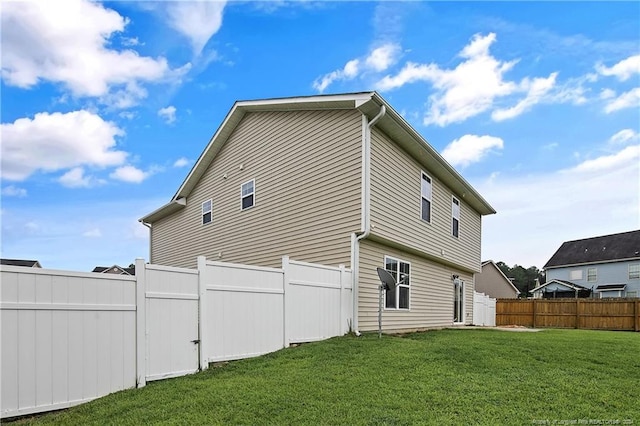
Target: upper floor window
[592, 274]
[207, 212]
[634, 271]
[576, 274]
[247, 194]
[398, 298]
[425, 192]
[455, 217]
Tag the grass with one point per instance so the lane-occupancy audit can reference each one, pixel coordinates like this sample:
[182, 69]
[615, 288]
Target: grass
[440, 377]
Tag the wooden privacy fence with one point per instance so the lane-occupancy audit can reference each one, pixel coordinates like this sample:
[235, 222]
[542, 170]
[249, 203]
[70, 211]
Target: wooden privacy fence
[593, 314]
[70, 337]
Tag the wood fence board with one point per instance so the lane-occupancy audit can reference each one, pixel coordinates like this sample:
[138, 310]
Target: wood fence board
[595, 314]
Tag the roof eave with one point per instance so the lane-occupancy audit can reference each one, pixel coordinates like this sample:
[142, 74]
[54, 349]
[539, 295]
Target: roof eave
[164, 211]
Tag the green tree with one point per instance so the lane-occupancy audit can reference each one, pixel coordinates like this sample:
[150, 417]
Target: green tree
[523, 279]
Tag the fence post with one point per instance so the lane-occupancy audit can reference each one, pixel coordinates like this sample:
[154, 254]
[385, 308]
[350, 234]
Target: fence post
[577, 313]
[534, 313]
[286, 296]
[342, 319]
[202, 314]
[636, 319]
[141, 324]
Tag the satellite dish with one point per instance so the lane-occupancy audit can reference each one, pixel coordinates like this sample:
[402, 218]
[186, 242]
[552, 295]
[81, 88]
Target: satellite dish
[388, 282]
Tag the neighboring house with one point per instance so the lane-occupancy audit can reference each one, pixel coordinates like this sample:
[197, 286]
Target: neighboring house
[558, 289]
[115, 269]
[606, 266]
[20, 262]
[494, 283]
[334, 179]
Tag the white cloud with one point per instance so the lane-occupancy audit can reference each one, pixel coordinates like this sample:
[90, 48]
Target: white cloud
[70, 45]
[596, 197]
[51, 142]
[536, 90]
[92, 233]
[197, 20]
[476, 83]
[470, 149]
[129, 174]
[378, 60]
[168, 114]
[181, 162]
[14, 191]
[624, 136]
[75, 178]
[623, 70]
[464, 91]
[383, 57]
[626, 100]
[607, 94]
[608, 162]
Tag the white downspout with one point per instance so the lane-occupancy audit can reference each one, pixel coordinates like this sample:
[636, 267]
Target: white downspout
[366, 210]
[148, 225]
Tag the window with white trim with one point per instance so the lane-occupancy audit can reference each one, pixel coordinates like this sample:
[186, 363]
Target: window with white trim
[247, 194]
[455, 217]
[633, 294]
[398, 298]
[207, 212]
[426, 188]
[634, 271]
[458, 300]
[592, 274]
[576, 274]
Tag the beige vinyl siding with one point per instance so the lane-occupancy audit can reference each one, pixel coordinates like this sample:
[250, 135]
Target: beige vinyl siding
[396, 202]
[492, 283]
[306, 166]
[431, 293]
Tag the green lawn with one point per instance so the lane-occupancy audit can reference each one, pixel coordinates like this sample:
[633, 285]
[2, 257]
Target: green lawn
[440, 377]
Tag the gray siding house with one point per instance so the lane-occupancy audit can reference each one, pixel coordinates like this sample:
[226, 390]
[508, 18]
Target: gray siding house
[605, 266]
[494, 283]
[333, 179]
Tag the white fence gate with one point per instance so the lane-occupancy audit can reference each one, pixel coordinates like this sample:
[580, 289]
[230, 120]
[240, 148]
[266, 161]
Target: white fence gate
[70, 337]
[484, 310]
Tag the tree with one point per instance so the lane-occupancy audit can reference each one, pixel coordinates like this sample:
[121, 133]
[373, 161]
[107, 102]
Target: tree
[523, 279]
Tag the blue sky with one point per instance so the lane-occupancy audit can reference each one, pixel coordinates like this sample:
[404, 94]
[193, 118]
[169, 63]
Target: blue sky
[106, 106]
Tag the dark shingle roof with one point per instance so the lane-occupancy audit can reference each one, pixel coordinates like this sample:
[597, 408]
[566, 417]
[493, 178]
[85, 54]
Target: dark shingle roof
[606, 248]
[101, 269]
[19, 262]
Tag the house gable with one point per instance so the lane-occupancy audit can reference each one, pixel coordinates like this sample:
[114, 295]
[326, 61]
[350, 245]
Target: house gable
[493, 282]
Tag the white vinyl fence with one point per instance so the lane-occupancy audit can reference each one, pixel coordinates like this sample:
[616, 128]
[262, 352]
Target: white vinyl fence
[70, 337]
[484, 310]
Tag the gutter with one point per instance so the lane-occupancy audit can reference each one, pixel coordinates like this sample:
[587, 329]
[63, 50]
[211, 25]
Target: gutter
[366, 210]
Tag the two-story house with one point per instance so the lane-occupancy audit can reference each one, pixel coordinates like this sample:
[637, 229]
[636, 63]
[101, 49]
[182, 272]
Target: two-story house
[333, 179]
[605, 266]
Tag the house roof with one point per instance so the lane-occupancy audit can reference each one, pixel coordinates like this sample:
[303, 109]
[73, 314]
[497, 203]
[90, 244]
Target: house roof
[607, 248]
[369, 104]
[491, 262]
[568, 284]
[21, 262]
[106, 269]
[611, 287]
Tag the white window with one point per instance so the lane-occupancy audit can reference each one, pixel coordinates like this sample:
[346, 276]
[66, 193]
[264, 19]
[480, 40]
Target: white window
[425, 199]
[247, 194]
[398, 298]
[458, 301]
[207, 212]
[455, 217]
[592, 274]
[634, 272]
[632, 294]
[576, 274]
